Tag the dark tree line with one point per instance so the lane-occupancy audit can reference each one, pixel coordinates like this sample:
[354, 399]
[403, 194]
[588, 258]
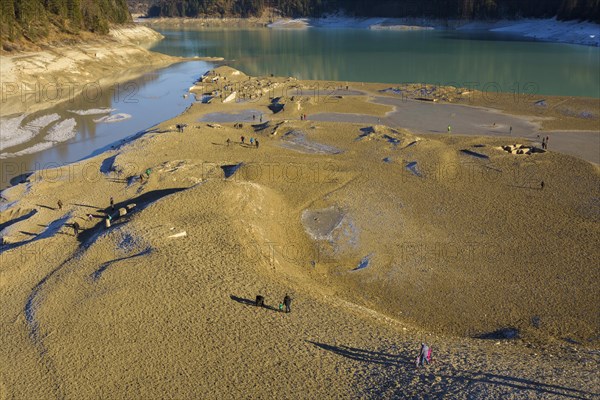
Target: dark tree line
[476, 9]
[35, 19]
[445, 9]
[197, 8]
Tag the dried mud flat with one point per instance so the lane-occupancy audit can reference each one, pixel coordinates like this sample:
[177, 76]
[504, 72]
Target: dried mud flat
[470, 255]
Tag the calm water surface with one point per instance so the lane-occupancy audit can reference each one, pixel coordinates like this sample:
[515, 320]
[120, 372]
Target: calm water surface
[492, 61]
[148, 100]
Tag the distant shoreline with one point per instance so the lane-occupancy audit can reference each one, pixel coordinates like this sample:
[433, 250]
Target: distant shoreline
[550, 30]
[566, 126]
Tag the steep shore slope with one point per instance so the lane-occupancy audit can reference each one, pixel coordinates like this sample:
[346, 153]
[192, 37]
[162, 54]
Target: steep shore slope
[36, 80]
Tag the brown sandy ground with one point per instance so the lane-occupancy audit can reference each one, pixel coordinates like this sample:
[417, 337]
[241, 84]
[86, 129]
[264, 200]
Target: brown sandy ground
[460, 247]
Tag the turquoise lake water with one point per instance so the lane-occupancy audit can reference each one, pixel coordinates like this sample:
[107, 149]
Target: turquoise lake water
[484, 60]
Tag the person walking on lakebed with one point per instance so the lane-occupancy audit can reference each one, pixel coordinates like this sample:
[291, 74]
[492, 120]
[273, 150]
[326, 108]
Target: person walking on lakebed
[424, 355]
[287, 302]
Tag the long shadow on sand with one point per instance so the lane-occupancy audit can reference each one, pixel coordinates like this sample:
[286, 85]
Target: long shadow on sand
[52, 229]
[249, 302]
[521, 384]
[88, 236]
[525, 187]
[19, 219]
[368, 356]
[452, 381]
[142, 201]
[85, 205]
[46, 207]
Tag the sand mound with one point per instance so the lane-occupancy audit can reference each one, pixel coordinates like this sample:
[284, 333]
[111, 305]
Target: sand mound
[376, 259]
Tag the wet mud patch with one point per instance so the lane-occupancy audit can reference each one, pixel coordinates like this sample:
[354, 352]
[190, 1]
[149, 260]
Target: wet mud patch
[335, 230]
[321, 223]
[297, 141]
[242, 116]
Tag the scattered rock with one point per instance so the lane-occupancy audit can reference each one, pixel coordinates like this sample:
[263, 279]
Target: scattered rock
[178, 235]
[522, 149]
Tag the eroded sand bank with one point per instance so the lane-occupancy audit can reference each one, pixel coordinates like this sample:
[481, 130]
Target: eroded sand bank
[33, 81]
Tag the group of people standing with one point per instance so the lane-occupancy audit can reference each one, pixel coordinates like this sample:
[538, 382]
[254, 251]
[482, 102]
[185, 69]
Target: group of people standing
[545, 142]
[75, 225]
[287, 303]
[253, 141]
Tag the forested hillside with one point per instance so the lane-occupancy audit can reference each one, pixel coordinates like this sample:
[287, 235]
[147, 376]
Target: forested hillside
[467, 9]
[37, 19]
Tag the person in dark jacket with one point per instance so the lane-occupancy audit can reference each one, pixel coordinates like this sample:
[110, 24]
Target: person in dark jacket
[287, 302]
[75, 229]
[260, 301]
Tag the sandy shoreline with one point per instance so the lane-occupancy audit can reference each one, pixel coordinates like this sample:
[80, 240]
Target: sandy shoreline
[40, 88]
[384, 237]
[33, 81]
